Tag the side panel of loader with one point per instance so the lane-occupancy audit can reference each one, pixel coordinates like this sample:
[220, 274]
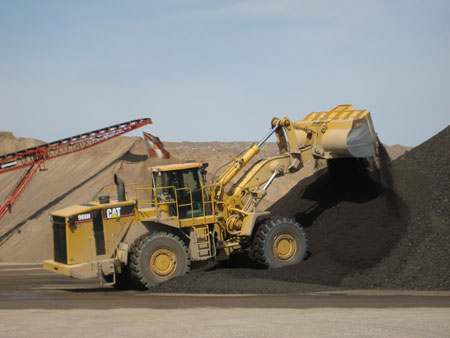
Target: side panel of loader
[87, 236]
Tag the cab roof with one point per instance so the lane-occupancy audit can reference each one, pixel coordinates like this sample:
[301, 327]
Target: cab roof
[180, 166]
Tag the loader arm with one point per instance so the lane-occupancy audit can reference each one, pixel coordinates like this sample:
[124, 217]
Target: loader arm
[341, 132]
[280, 127]
[290, 159]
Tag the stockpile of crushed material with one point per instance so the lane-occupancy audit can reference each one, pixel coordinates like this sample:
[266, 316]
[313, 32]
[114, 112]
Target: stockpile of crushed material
[388, 228]
[421, 259]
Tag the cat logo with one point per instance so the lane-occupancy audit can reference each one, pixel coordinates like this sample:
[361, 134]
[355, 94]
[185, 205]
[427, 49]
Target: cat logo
[113, 213]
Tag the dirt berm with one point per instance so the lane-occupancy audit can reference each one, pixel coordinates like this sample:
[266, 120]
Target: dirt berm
[389, 229]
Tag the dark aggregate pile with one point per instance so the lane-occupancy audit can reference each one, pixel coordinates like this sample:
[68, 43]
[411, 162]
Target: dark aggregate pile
[387, 229]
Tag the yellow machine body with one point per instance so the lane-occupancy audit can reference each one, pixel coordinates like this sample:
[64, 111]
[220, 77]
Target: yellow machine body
[94, 239]
[84, 235]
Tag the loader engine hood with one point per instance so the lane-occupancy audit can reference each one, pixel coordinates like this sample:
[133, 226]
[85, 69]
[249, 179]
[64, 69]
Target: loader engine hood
[82, 233]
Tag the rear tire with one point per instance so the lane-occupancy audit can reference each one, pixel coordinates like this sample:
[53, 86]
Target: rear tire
[279, 242]
[157, 257]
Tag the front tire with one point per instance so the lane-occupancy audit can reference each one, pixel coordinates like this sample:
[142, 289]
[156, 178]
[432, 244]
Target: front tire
[157, 257]
[279, 242]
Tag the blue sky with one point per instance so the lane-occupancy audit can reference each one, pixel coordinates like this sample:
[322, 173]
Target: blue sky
[220, 70]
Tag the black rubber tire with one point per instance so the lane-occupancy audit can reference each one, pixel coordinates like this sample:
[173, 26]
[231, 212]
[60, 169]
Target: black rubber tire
[267, 232]
[142, 250]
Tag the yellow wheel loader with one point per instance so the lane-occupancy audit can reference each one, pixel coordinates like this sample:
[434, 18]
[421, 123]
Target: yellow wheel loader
[143, 235]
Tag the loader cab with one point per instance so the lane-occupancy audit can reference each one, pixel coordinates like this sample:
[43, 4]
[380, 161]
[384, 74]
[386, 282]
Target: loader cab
[181, 186]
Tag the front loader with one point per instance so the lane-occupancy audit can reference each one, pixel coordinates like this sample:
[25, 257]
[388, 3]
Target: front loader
[139, 235]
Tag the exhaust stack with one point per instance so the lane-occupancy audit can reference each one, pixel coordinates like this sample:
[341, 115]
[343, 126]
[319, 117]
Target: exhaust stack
[120, 188]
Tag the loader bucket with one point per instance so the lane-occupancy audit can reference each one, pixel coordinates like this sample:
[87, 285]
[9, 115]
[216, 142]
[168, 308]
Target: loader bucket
[340, 132]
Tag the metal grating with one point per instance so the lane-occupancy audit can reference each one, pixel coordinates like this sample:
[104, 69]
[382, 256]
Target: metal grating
[59, 240]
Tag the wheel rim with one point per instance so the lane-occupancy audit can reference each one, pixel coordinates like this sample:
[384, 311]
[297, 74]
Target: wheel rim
[163, 262]
[284, 247]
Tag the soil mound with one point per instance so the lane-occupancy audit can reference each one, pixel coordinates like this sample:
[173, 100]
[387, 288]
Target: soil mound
[389, 228]
[421, 259]
[25, 233]
[10, 143]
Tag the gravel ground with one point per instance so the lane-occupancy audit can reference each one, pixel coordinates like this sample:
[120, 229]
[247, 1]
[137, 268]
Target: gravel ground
[217, 322]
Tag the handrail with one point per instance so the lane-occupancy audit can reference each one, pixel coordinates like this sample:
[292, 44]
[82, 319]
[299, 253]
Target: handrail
[137, 191]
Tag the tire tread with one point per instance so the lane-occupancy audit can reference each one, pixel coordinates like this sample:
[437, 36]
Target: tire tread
[136, 273]
[263, 230]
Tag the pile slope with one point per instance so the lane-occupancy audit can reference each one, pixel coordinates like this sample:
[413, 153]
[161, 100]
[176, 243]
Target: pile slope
[10, 143]
[386, 229]
[421, 259]
[25, 233]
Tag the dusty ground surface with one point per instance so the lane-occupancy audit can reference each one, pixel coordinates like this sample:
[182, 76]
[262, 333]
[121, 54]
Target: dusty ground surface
[34, 302]
[218, 322]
